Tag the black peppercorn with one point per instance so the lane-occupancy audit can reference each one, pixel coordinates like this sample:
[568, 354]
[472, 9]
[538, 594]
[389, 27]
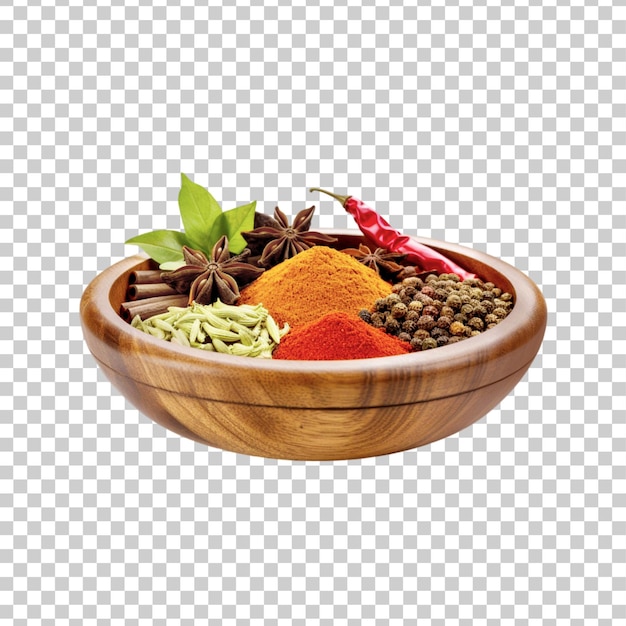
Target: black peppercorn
[392, 326]
[409, 326]
[416, 344]
[365, 315]
[438, 332]
[426, 322]
[444, 322]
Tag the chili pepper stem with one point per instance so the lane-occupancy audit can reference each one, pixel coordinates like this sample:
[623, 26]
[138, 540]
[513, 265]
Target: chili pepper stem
[341, 199]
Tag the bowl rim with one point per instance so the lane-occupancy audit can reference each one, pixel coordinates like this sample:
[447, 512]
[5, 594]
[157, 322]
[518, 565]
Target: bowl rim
[527, 297]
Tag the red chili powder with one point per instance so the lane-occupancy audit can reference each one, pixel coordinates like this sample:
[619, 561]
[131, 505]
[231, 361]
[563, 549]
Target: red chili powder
[337, 336]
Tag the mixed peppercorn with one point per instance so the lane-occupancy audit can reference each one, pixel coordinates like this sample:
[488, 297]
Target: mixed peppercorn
[438, 310]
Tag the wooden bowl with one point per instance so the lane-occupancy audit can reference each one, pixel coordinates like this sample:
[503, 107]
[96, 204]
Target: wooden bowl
[317, 410]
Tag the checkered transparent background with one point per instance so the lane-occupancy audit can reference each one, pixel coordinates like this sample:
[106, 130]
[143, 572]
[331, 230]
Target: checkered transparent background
[497, 125]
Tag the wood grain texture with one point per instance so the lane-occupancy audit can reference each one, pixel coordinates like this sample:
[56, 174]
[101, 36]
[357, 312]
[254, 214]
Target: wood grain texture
[324, 410]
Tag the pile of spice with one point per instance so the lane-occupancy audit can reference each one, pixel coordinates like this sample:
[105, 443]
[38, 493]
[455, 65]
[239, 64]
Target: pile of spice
[337, 336]
[218, 327]
[316, 281]
[439, 310]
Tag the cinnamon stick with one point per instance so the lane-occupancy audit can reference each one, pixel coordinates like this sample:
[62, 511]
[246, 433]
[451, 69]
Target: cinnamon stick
[141, 291]
[144, 277]
[151, 306]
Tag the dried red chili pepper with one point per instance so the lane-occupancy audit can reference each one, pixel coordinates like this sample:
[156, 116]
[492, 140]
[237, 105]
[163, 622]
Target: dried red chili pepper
[384, 235]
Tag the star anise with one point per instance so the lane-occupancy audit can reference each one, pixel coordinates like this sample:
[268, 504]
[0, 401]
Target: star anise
[282, 241]
[381, 261]
[207, 280]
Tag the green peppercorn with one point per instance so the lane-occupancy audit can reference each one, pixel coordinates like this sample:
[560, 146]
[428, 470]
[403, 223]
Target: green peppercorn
[430, 278]
[476, 324]
[416, 305]
[421, 334]
[399, 310]
[490, 318]
[480, 310]
[467, 309]
[454, 302]
[441, 294]
[488, 306]
[380, 304]
[496, 292]
[413, 315]
[377, 320]
[446, 311]
[392, 298]
[499, 312]
[411, 281]
[429, 344]
[507, 297]
[488, 286]
[488, 296]
[408, 292]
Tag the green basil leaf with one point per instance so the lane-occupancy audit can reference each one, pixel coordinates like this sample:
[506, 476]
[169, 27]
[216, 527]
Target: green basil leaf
[232, 223]
[199, 210]
[162, 245]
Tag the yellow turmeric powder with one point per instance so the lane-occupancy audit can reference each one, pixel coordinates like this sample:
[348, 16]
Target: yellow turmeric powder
[315, 282]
